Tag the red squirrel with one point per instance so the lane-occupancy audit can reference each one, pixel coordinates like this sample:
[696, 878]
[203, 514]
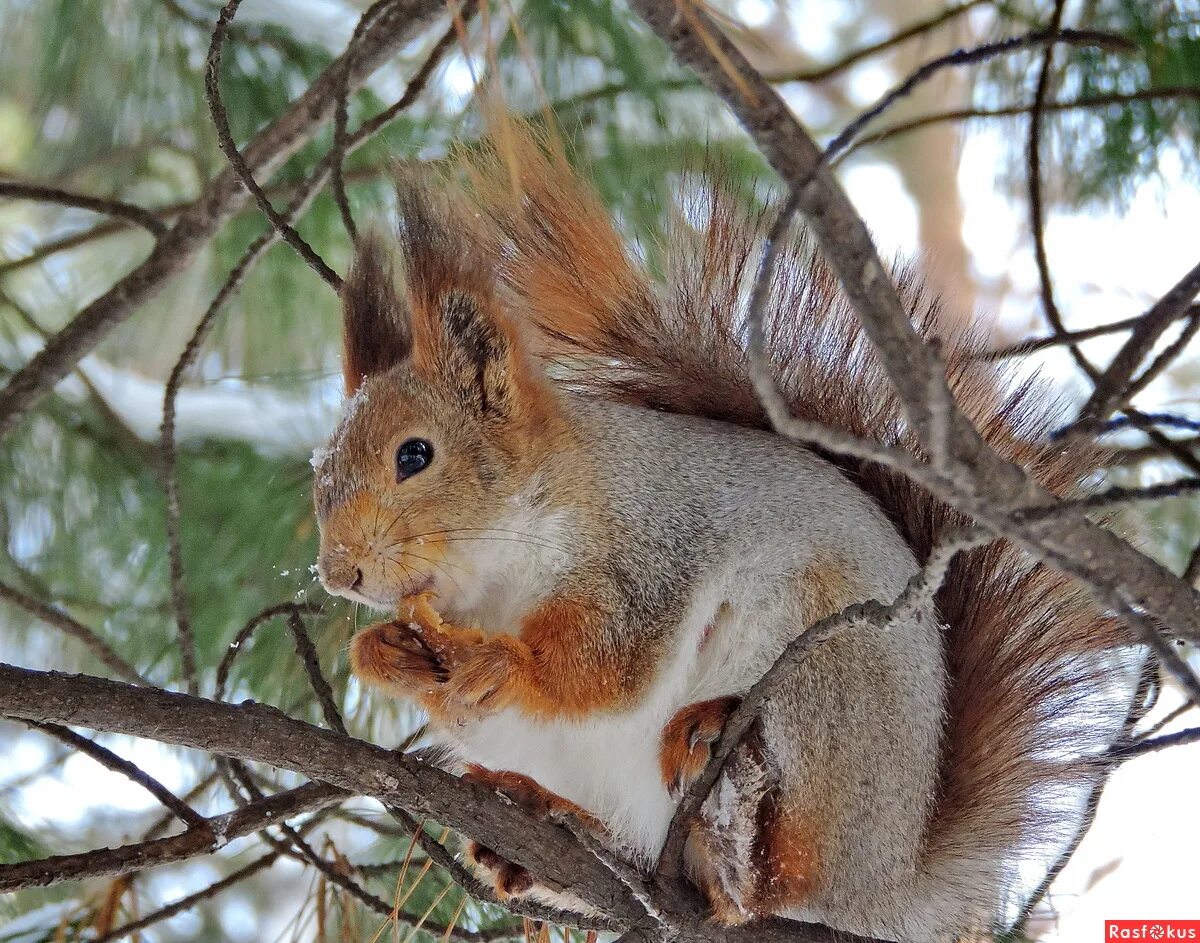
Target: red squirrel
[554, 474]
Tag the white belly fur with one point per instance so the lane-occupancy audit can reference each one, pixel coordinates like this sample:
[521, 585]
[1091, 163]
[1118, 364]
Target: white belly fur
[608, 763]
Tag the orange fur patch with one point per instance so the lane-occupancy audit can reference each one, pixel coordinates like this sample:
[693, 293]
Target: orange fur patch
[827, 586]
[559, 666]
[790, 851]
[686, 742]
[573, 668]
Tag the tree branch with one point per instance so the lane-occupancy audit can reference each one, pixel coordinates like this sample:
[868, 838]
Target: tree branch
[223, 197]
[343, 765]
[1037, 222]
[919, 28]
[258, 733]
[212, 92]
[19, 190]
[106, 758]
[1013, 111]
[1111, 386]
[980, 478]
[964, 57]
[212, 836]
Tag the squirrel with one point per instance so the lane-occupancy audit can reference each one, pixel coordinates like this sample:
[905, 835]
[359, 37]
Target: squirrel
[554, 474]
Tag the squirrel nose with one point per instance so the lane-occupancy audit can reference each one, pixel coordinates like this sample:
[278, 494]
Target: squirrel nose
[339, 574]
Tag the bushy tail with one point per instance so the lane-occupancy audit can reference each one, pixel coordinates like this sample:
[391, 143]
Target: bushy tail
[1029, 697]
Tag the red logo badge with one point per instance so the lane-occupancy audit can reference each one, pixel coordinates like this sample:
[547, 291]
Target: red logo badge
[1151, 930]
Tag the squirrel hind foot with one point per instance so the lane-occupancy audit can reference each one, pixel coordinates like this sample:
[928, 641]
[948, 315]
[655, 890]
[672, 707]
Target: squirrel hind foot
[750, 851]
[533, 797]
[506, 878]
[685, 745]
[722, 847]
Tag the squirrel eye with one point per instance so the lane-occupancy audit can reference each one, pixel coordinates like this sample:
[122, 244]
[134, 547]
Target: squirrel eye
[412, 456]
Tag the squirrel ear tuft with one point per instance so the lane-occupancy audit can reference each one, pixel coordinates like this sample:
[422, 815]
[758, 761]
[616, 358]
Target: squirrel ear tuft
[480, 355]
[375, 329]
[460, 335]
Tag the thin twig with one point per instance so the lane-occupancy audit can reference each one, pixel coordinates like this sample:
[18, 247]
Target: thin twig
[185, 904]
[215, 833]
[1111, 386]
[1166, 357]
[341, 115]
[1139, 747]
[22, 190]
[972, 56]
[1037, 221]
[212, 90]
[1148, 424]
[1034, 344]
[1091, 102]
[1108, 498]
[110, 227]
[235, 646]
[76, 630]
[1172, 716]
[312, 667]
[919, 28]
[189, 797]
[109, 760]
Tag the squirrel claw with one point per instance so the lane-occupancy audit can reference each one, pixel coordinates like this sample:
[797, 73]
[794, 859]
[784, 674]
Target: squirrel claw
[687, 739]
[394, 655]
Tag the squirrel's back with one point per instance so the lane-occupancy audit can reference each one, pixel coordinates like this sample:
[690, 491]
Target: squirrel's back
[1030, 659]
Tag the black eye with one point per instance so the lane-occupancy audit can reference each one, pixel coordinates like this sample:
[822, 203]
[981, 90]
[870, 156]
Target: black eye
[412, 457]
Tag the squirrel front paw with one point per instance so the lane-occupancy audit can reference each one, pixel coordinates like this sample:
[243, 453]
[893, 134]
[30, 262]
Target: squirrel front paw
[485, 675]
[452, 670]
[686, 744]
[393, 656]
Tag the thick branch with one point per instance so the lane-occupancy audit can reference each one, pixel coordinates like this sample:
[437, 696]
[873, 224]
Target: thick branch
[258, 733]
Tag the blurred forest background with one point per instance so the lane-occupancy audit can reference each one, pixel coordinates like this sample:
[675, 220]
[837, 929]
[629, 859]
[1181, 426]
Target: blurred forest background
[105, 97]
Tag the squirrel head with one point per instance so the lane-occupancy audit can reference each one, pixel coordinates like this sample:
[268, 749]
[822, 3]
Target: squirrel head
[447, 422]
